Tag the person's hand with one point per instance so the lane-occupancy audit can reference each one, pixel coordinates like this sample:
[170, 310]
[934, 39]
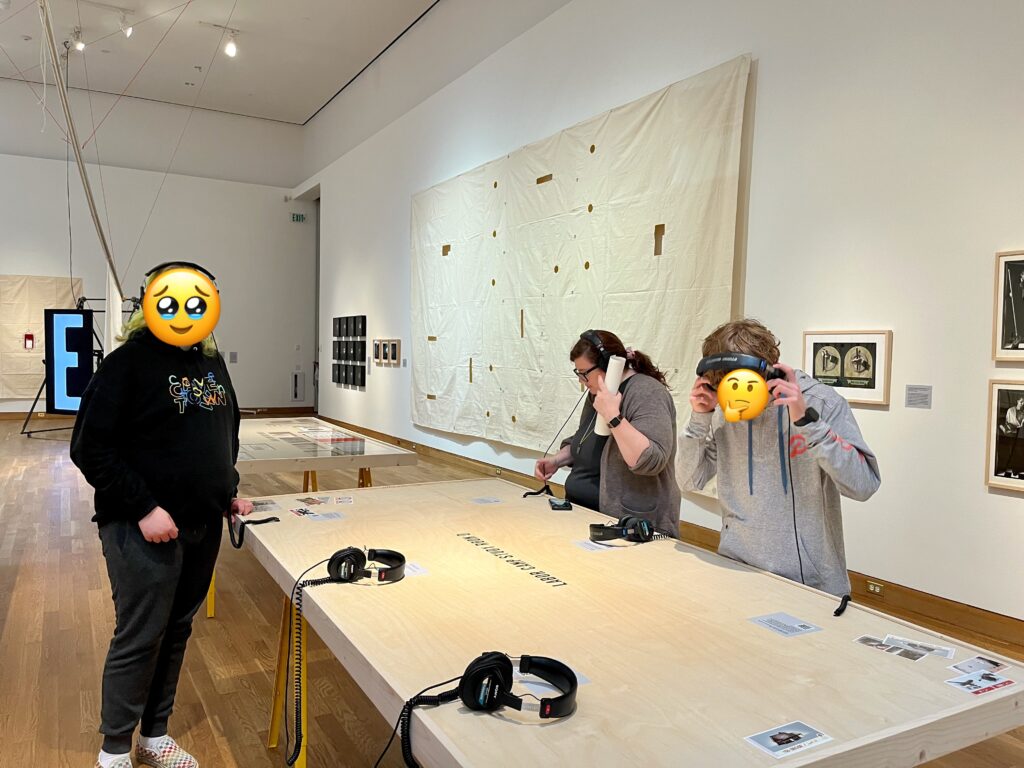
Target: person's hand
[607, 404]
[702, 396]
[787, 393]
[241, 507]
[158, 527]
[545, 468]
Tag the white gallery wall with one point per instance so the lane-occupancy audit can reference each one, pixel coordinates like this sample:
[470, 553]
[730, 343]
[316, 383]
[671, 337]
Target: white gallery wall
[264, 262]
[885, 171]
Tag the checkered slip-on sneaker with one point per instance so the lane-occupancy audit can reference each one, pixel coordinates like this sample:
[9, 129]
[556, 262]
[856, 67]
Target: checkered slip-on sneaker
[122, 762]
[169, 755]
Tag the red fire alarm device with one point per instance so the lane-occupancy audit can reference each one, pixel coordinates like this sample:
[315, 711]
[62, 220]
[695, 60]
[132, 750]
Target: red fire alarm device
[30, 342]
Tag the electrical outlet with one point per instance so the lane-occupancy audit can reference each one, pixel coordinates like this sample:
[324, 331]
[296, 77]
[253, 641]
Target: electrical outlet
[497, 471]
[875, 588]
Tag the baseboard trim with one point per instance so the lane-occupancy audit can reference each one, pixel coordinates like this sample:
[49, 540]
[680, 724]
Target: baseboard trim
[452, 459]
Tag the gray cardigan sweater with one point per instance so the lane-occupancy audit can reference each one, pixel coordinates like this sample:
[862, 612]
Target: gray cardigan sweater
[649, 488]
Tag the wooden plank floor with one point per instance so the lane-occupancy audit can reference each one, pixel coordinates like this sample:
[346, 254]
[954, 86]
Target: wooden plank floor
[56, 619]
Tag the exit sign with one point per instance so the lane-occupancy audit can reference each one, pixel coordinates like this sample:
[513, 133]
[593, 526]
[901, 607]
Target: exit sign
[299, 217]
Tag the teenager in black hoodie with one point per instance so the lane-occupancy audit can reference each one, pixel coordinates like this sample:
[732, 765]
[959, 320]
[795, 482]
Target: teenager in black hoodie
[157, 437]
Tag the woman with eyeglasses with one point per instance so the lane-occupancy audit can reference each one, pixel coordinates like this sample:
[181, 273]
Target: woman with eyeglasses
[632, 472]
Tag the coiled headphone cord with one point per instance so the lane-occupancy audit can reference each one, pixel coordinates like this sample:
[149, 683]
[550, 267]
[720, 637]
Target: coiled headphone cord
[404, 720]
[297, 665]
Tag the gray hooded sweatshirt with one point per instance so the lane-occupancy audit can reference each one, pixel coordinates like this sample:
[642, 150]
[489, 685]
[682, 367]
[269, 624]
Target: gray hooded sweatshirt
[829, 458]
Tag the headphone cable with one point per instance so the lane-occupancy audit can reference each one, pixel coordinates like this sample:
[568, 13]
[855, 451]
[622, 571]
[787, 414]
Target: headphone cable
[547, 487]
[287, 669]
[406, 713]
[792, 491]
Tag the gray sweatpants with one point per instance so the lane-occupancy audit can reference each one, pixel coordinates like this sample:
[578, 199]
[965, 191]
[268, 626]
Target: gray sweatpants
[157, 589]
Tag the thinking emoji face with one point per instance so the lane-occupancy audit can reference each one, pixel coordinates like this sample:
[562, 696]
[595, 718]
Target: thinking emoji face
[181, 306]
[743, 395]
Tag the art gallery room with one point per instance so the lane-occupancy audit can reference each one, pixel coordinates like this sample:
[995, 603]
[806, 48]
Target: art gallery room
[484, 383]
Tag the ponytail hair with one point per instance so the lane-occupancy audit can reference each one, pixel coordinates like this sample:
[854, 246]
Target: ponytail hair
[635, 359]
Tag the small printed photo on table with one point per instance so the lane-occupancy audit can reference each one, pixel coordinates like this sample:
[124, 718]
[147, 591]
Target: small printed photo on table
[786, 739]
[980, 683]
[978, 664]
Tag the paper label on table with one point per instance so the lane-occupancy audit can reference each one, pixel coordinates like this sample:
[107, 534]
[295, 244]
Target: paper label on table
[917, 645]
[311, 500]
[785, 625]
[978, 664]
[788, 739]
[302, 512]
[895, 650]
[415, 569]
[593, 546]
[344, 500]
[264, 505]
[487, 500]
[327, 516]
[980, 683]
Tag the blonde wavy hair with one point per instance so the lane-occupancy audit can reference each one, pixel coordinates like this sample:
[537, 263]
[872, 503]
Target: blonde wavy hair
[136, 324]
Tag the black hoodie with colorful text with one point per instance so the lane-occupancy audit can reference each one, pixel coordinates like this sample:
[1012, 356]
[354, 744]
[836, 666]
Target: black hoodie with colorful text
[158, 426]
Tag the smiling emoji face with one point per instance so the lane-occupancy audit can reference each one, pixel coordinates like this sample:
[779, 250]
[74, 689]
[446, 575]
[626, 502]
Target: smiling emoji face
[743, 395]
[181, 306]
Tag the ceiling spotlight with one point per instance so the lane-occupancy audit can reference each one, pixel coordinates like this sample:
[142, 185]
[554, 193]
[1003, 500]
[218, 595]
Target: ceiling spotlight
[76, 39]
[231, 49]
[125, 26]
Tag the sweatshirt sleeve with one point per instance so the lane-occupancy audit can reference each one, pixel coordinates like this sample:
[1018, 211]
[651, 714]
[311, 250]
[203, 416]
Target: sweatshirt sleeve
[237, 415]
[836, 443]
[96, 442]
[697, 457]
[652, 414]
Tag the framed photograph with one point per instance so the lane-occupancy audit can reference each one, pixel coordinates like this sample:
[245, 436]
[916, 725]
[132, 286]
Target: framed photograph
[360, 354]
[377, 351]
[385, 350]
[360, 325]
[1004, 459]
[348, 325]
[1008, 320]
[396, 351]
[337, 326]
[350, 350]
[336, 373]
[857, 364]
[360, 376]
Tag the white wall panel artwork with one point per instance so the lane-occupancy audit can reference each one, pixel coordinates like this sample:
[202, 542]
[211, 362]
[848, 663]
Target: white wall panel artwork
[509, 267]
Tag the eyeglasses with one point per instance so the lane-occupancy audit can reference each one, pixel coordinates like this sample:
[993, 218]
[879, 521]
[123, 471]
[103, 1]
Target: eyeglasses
[582, 375]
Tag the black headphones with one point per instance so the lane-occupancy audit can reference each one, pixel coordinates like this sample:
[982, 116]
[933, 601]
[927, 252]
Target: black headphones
[603, 354]
[349, 564]
[730, 361]
[630, 528]
[486, 685]
[168, 265]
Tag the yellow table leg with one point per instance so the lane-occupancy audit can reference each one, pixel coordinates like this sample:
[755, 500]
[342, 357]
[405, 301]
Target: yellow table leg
[211, 597]
[365, 478]
[315, 486]
[305, 481]
[277, 705]
[280, 691]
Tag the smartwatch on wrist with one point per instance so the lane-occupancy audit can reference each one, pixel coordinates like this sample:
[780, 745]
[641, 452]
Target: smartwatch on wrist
[613, 423]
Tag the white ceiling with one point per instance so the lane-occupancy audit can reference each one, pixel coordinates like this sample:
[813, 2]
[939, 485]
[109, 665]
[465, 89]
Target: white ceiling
[293, 55]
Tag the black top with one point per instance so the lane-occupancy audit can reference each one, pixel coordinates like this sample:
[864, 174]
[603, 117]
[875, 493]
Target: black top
[583, 486]
[158, 426]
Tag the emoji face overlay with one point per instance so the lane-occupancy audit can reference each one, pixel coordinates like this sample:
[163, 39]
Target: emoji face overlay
[181, 306]
[743, 395]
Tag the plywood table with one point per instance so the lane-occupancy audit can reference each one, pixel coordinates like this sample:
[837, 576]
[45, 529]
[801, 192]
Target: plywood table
[676, 673]
[308, 444]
